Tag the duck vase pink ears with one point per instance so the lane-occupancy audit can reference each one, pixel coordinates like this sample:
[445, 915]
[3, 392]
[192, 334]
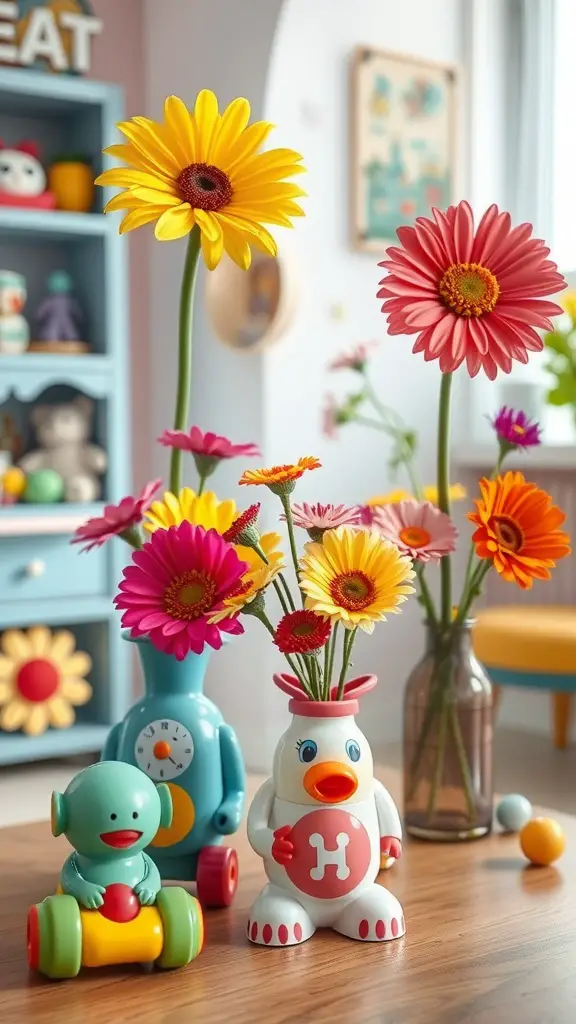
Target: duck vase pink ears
[300, 703]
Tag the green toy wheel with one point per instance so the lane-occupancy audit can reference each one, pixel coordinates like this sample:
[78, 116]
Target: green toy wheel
[54, 937]
[183, 927]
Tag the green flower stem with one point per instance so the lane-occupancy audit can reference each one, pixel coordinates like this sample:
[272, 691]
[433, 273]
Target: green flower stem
[462, 761]
[184, 352]
[331, 653]
[432, 709]
[349, 638]
[260, 553]
[427, 599]
[201, 483]
[284, 498]
[440, 754]
[289, 597]
[300, 677]
[326, 676]
[470, 567]
[444, 491]
[407, 460]
[132, 537]
[395, 431]
[280, 595]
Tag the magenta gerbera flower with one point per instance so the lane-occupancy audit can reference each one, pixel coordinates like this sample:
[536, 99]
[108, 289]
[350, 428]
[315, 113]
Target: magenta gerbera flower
[116, 519]
[470, 295]
[316, 519]
[515, 429]
[355, 359]
[417, 528]
[207, 449]
[175, 582]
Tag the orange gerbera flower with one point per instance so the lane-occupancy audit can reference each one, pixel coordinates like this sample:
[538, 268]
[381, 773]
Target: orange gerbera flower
[280, 479]
[518, 529]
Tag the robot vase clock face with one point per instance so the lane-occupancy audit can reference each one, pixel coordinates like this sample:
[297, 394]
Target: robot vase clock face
[164, 749]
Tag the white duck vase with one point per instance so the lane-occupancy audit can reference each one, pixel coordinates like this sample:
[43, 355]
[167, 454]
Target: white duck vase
[322, 825]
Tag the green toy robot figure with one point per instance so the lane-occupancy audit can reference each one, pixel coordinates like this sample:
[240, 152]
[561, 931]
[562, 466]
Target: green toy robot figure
[111, 907]
[109, 813]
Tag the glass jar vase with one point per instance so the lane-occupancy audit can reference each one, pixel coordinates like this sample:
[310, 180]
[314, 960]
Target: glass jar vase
[448, 714]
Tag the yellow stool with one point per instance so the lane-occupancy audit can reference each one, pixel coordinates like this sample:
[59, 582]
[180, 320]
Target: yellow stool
[532, 646]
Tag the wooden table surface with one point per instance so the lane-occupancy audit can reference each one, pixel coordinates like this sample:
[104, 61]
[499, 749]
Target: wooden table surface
[489, 941]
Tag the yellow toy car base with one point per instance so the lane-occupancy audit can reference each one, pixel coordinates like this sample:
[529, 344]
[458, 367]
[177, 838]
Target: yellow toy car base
[62, 937]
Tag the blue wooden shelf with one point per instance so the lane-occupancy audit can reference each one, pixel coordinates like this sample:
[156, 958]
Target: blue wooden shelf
[65, 114]
[54, 225]
[79, 739]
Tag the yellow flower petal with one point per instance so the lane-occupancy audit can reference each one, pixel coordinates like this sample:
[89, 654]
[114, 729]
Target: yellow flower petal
[138, 218]
[236, 246]
[274, 190]
[212, 251]
[63, 645]
[60, 713]
[206, 122]
[128, 177]
[175, 223]
[233, 123]
[272, 165]
[5, 691]
[36, 720]
[181, 131]
[251, 140]
[40, 639]
[16, 645]
[13, 715]
[125, 201]
[208, 224]
[78, 664]
[200, 510]
[257, 234]
[146, 136]
[156, 197]
[76, 690]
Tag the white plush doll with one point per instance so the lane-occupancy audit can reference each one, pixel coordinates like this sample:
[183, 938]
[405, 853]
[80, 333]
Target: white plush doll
[21, 173]
[63, 432]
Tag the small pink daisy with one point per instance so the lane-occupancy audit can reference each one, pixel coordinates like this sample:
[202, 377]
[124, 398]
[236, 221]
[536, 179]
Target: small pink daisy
[515, 429]
[470, 295]
[417, 528]
[355, 359]
[175, 582]
[316, 519]
[330, 422]
[116, 519]
[207, 449]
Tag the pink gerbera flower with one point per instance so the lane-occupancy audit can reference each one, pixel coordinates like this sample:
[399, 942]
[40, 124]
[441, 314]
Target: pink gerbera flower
[207, 449]
[176, 581]
[417, 528]
[116, 520]
[474, 296]
[515, 429]
[316, 519]
[355, 359]
[330, 422]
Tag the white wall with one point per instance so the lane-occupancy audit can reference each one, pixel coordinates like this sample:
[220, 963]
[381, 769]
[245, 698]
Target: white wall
[274, 399]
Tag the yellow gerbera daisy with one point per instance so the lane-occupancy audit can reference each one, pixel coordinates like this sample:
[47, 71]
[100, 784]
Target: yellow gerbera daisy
[204, 169]
[355, 577]
[456, 492]
[391, 498]
[41, 677]
[199, 509]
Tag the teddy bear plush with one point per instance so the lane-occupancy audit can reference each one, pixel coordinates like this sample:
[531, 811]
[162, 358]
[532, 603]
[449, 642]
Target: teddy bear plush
[63, 431]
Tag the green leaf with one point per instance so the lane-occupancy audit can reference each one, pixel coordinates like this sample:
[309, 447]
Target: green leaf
[559, 342]
[565, 391]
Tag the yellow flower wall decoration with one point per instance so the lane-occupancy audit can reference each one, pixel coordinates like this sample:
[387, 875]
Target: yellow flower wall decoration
[41, 678]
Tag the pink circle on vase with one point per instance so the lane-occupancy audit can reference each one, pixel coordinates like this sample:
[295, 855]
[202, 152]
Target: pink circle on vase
[331, 853]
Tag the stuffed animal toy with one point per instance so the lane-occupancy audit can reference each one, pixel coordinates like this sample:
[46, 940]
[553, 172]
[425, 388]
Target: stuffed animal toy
[63, 431]
[22, 177]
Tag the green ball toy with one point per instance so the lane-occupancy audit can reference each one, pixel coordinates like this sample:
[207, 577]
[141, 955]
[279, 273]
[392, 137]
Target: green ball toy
[44, 487]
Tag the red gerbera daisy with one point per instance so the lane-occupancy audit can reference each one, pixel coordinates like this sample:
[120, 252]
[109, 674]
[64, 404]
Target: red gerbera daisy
[301, 632]
[474, 296]
[243, 529]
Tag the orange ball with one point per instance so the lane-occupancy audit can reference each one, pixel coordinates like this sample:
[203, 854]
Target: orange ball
[542, 841]
[14, 481]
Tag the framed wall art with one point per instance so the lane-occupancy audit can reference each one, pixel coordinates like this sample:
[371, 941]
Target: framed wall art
[403, 143]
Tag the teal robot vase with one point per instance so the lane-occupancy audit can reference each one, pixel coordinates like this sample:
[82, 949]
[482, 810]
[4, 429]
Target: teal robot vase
[176, 736]
[110, 907]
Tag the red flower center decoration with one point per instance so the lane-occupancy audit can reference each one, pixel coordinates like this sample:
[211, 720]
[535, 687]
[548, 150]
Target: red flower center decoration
[37, 680]
[469, 289]
[352, 590]
[204, 186]
[189, 595]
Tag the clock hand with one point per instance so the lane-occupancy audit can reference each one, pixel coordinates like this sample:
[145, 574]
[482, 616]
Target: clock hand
[172, 759]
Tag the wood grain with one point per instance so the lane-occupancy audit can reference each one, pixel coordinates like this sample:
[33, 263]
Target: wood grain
[489, 941]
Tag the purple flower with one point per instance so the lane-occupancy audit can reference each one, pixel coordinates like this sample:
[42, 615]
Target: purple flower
[515, 429]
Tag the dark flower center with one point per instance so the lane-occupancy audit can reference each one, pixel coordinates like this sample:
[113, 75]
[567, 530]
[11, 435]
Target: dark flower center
[189, 596]
[508, 533]
[204, 186]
